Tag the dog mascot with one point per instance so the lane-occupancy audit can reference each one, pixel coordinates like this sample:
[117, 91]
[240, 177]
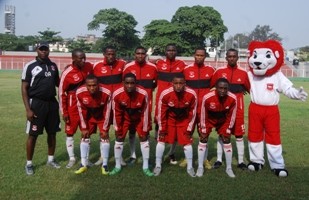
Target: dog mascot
[267, 82]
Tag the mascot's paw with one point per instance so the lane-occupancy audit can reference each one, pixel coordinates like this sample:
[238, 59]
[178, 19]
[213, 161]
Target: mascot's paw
[280, 172]
[252, 166]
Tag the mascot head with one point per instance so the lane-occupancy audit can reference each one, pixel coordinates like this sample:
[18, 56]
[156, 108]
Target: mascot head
[265, 58]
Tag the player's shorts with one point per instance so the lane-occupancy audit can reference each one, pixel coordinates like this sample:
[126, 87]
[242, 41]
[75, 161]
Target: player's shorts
[239, 126]
[219, 129]
[126, 127]
[178, 134]
[47, 113]
[71, 128]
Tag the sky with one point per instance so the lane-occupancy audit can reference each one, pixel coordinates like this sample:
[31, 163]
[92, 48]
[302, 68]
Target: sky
[70, 17]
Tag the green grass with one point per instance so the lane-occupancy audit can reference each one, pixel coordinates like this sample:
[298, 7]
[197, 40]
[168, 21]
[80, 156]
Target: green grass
[173, 183]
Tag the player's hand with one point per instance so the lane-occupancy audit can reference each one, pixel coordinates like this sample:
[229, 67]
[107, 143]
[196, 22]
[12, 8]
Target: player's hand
[85, 133]
[302, 94]
[30, 115]
[162, 136]
[228, 131]
[203, 138]
[104, 135]
[66, 119]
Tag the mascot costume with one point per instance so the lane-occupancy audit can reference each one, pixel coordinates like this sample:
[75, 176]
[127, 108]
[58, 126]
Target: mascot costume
[267, 82]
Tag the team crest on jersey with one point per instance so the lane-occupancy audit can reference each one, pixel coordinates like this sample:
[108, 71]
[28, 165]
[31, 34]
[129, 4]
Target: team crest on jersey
[191, 74]
[171, 104]
[270, 86]
[34, 128]
[53, 67]
[76, 77]
[164, 67]
[85, 100]
[103, 70]
[224, 75]
[212, 105]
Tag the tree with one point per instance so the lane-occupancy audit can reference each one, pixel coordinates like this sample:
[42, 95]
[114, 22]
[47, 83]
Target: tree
[119, 29]
[158, 34]
[198, 24]
[50, 36]
[239, 40]
[80, 44]
[8, 42]
[263, 33]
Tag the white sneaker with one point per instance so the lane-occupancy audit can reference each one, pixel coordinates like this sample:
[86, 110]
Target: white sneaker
[53, 164]
[99, 162]
[191, 172]
[157, 171]
[71, 163]
[123, 163]
[200, 172]
[230, 173]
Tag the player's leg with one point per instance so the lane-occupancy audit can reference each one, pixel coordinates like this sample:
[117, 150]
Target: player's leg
[185, 139]
[218, 163]
[118, 148]
[132, 138]
[145, 149]
[228, 152]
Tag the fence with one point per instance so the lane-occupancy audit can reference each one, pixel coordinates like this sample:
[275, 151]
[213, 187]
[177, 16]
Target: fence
[16, 62]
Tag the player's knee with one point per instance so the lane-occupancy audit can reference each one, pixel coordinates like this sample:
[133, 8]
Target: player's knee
[226, 140]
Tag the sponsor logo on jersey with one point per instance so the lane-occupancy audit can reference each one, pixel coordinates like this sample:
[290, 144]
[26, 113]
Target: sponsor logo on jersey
[48, 74]
[85, 100]
[270, 86]
[36, 70]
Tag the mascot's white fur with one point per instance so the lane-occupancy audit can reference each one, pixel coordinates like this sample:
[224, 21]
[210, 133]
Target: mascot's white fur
[267, 82]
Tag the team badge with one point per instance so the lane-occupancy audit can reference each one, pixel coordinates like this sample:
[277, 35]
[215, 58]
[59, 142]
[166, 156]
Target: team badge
[85, 101]
[212, 105]
[171, 104]
[53, 67]
[164, 67]
[103, 70]
[270, 86]
[34, 128]
[76, 77]
[191, 74]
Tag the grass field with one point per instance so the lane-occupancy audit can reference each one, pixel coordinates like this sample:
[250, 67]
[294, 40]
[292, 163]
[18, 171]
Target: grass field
[173, 183]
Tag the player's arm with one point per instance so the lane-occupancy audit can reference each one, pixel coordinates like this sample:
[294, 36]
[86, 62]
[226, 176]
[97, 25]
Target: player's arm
[63, 87]
[231, 116]
[118, 115]
[192, 114]
[24, 93]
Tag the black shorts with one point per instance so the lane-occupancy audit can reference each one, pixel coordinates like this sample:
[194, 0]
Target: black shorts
[47, 113]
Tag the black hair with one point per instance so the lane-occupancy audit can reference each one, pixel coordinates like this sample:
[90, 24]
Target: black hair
[200, 48]
[108, 47]
[75, 51]
[171, 44]
[179, 75]
[91, 77]
[222, 80]
[129, 75]
[140, 47]
[232, 50]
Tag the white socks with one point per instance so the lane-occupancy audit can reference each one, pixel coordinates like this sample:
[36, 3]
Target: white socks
[84, 151]
[219, 149]
[70, 147]
[118, 148]
[240, 149]
[201, 151]
[104, 149]
[189, 155]
[145, 149]
[159, 153]
[228, 152]
[132, 145]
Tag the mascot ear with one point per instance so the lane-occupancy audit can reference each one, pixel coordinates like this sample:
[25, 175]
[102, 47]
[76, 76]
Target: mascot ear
[277, 54]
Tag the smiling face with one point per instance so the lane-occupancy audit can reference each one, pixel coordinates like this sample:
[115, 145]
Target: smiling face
[261, 60]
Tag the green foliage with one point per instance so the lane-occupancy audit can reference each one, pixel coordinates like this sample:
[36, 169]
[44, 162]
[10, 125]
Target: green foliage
[50, 36]
[80, 44]
[263, 33]
[159, 33]
[173, 183]
[118, 29]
